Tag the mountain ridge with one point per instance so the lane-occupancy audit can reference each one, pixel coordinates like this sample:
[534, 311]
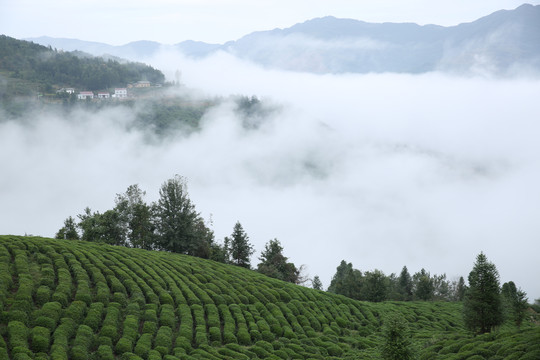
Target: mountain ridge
[498, 43]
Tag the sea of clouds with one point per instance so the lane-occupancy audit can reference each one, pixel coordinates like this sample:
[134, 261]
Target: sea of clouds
[381, 170]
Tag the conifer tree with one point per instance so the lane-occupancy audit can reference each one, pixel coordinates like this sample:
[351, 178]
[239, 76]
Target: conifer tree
[238, 247]
[316, 283]
[482, 309]
[397, 344]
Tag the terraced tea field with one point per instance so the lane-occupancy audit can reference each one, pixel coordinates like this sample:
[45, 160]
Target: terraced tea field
[78, 300]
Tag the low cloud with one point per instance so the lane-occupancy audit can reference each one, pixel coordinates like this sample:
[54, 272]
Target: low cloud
[380, 170]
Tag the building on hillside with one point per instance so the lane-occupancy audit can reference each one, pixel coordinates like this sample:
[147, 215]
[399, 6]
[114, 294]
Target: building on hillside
[66, 90]
[120, 93]
[103, 95]
[83, 95]
[142, 84]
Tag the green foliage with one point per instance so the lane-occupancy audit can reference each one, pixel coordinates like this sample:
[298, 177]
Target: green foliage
[34, 63]
[397, 344]
[316, 283]
[274, 263]
[514, 302]
[217, 311]
[482, 308]
[239, 247]
[179, 227]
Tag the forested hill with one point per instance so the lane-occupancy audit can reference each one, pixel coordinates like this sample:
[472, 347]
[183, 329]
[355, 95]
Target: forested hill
[44, 68]
[66, 299]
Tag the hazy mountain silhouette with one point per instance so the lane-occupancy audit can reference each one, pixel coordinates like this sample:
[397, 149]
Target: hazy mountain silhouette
[498, 43]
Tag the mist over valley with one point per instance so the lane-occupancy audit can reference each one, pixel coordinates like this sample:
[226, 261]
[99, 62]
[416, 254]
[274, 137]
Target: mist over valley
[383, 164]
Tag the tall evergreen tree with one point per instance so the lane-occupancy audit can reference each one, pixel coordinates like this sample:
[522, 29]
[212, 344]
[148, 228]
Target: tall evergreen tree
[274, 263]
[461, 289]
[179, 227]
[405, 285]
[482, 308]
[515, 302]
[316, 283]
[239, 248]
[347, 281]
[423, 285]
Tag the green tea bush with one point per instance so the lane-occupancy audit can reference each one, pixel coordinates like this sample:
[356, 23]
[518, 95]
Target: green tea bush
[105, 352]
[164, 339]
[131, 327]
[84, 337]
[149, 327]
[150, 315]
[167, 316]
[214, 334]
[18, 315]
[120, 298]
[94, 316]
[183, 343]
[186, 322]
[123, 345]
[43, 294]
[200, 336]
[76, 311]
[143, 346]
[40, 339]
[17, 334]
[103, 293]
[212, 315]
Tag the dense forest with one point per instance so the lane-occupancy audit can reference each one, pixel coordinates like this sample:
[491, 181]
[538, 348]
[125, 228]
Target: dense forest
[35, 67]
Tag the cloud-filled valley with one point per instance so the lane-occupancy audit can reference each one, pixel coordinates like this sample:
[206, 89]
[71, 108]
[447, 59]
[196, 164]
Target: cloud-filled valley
[382, 170]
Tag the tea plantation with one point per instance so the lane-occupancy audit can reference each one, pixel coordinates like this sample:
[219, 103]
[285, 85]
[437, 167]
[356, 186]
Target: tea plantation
[77, 300]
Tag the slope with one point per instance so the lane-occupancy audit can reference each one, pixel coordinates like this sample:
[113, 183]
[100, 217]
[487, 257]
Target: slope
[77, 300]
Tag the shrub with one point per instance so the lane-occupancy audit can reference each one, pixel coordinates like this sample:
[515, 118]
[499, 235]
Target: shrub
[105, 352]
[76, 311]
[149, 327]
[144, 344]
[84, 337]
[123, 345]
[167, 317]
[94, 316]
[41, 338]
[120, 297]
[43, 294]
[164, 338]
[17, 334]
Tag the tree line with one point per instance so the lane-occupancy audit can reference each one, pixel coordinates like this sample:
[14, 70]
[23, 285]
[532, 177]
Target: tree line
[486, 304]
[36, 63]
[173, 224]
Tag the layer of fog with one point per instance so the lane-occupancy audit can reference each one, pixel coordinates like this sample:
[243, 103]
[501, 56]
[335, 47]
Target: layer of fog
[380, 170]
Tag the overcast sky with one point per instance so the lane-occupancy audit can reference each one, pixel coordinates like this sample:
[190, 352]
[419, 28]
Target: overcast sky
[216, 21]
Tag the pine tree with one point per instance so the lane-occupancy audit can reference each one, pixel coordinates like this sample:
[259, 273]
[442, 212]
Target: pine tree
[316, 283]
[405, 285]
[238, 247]
[397, 343]
[482, 308]
[515, 302]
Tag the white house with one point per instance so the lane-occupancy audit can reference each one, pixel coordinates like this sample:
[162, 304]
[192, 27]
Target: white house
[67, 90]
[83, 95]
[103, 95]
[120, 93]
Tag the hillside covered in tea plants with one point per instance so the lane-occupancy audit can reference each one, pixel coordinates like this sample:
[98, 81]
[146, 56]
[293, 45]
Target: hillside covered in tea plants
[63, 299]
